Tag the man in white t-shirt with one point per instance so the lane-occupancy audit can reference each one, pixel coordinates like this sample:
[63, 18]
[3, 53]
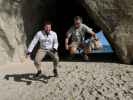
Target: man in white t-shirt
[48, 46]
[77, 34]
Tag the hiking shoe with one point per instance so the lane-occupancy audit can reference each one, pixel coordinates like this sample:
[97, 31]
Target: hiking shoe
[38, 73]
[55, 73]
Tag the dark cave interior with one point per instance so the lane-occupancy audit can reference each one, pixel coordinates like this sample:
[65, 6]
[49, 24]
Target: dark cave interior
[61, 14]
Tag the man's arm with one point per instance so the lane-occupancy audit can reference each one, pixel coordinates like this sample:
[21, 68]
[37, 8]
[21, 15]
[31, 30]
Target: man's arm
[66, 42]
[89, 30]
[68, 35]
[33, 43]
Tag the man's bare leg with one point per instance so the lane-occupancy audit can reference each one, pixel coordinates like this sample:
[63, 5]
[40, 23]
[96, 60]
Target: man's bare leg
[87, 51]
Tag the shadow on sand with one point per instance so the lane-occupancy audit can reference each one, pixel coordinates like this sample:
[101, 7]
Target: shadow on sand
[28, 78]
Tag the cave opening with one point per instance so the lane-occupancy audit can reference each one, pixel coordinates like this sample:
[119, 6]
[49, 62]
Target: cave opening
[66, 11]
[61, 14]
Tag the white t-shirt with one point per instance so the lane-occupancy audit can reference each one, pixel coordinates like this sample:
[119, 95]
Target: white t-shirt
[46, 41]
[78, 35]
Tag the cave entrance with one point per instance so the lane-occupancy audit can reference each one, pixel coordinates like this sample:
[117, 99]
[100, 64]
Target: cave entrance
[66, 11]
[61, 13]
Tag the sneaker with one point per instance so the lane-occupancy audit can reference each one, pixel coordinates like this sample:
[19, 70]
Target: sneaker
[55, 73]
[38, 73]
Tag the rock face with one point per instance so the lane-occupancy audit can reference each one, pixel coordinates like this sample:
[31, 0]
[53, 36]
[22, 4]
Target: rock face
[19, 20]
[115, 17]
[12, 37]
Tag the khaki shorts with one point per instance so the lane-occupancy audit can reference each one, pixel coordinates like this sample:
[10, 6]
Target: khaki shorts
[86, 46]
[75, 44]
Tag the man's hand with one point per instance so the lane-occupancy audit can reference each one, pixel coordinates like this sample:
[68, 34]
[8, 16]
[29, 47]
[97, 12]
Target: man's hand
[27, 58]
[93, 34]
[53, 50]
[96, 39]
[28, 55]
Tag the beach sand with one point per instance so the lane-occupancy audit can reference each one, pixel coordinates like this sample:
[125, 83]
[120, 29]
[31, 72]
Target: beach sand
[76, 81]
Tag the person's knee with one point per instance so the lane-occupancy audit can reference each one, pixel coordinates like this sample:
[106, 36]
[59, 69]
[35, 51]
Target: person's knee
[72, 50]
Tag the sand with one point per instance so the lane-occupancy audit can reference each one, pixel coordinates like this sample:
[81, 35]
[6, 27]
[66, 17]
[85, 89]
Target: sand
[76, 81]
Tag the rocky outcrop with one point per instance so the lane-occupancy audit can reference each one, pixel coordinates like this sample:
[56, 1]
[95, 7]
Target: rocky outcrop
[115, 17]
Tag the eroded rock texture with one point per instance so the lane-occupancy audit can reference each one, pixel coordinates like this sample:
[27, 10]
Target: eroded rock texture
[115, 17]
[12, 37]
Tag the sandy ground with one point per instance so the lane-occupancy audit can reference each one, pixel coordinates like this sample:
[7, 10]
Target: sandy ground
[76, 81]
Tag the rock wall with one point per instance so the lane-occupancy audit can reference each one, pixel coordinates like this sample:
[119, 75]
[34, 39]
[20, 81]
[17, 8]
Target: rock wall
[12, 37]
[20, 19]
[115, 17]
